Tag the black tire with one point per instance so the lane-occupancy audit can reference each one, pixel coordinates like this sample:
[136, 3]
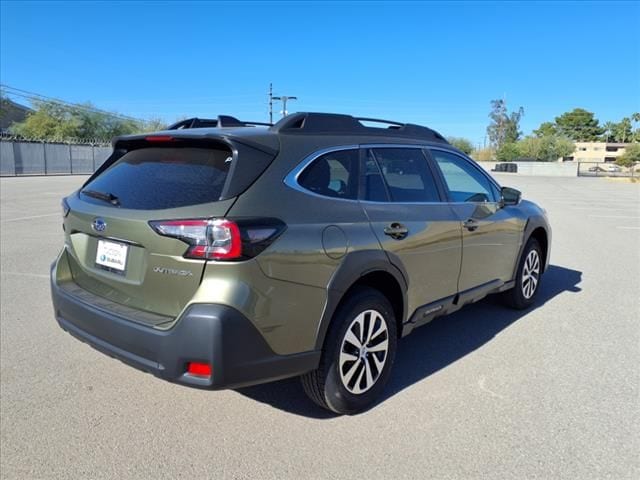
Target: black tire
[520, 296]
[326, 385]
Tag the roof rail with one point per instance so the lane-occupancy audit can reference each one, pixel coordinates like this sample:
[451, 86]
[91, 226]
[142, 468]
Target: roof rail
[223, 121]
[310, 122]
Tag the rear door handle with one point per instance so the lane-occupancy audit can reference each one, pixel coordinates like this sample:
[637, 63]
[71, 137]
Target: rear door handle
[396, 231]
[470, 224]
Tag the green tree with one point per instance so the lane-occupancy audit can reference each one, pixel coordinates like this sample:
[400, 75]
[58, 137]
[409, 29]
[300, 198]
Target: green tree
[504, 126]
[635, 136]
[154, 125]
[461, 144]
[4, 104]
[622, 131]
[608, 128]
[579, 125]
[548, 148]
[531, 147]
[508, 152]
[546, 128]
[50, 120]
[555, 147]
[630, 157]
[56, 121]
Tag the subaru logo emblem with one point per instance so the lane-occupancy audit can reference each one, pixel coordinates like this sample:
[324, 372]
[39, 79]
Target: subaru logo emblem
[99, 225]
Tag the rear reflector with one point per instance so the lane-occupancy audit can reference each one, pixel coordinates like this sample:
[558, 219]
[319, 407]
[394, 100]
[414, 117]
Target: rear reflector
[199, 369]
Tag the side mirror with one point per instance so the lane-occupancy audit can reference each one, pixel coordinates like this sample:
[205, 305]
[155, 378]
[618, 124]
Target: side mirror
[510, 196]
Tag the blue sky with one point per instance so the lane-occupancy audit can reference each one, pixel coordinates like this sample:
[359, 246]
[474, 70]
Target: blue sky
[437, 64]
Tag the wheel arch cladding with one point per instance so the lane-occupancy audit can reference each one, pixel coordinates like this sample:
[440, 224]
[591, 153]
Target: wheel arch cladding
[365, 268]
[540, 234]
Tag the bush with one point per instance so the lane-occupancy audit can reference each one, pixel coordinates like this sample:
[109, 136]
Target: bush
[461, 144]
[484, 155]
[630, 156]
[547, 148]
[508, 152]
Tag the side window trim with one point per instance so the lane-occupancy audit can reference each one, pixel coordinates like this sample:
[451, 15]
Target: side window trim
[470, 162]
[363, 169]
[443, 191]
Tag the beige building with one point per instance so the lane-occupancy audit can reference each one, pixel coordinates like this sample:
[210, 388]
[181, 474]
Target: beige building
[597, 152]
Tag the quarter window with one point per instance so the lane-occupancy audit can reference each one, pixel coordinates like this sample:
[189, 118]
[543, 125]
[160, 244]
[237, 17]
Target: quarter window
[402, 174]
[465, 182]
[333, 175]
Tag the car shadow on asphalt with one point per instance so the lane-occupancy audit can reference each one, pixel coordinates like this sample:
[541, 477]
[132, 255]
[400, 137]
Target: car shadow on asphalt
[429, 348]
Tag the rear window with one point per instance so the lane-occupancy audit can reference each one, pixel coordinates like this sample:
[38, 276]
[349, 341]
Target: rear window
[157, 178]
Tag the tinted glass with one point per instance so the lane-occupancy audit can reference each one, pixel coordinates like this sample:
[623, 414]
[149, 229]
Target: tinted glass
[375, 189]
[406, 174]
[465, 182]
[156, 178]
[333, 175]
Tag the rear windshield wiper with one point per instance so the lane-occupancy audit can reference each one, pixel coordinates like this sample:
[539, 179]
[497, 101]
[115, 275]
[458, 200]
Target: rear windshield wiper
[107, 197]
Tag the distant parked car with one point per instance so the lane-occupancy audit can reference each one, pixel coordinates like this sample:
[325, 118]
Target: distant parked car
[596, 169]
[613, 168]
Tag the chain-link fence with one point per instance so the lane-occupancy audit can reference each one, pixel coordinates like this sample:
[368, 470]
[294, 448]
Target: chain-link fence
[19, 156]
[607, 169]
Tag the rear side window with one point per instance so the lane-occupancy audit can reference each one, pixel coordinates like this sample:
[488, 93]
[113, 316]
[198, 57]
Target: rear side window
[157, 178]
[334, 174]
[406, 175]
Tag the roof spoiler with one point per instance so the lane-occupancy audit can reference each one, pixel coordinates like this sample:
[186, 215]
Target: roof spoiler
[223, 121]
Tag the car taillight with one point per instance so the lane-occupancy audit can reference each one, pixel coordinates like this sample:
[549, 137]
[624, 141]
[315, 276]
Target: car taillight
[221, 239]
[65, 208]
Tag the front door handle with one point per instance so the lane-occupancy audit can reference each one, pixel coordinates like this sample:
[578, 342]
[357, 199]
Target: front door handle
[470, 224]
[396, 231]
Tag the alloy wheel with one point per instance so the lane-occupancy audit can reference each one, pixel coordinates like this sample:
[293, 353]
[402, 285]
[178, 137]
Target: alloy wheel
[530, 274]
[364, 351]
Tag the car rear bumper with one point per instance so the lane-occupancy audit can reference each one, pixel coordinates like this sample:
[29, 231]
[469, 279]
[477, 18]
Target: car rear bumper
[206, 333]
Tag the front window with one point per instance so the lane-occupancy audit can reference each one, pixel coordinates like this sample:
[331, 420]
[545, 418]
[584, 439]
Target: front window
[465, 182]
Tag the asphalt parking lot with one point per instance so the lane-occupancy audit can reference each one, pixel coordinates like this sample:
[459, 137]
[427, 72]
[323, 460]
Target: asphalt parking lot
[553, 392]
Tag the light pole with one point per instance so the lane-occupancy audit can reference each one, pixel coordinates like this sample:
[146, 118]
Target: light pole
[284, 99]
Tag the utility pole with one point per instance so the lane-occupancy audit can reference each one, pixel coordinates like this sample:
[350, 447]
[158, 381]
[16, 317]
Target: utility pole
[271, 103]
[284, 99]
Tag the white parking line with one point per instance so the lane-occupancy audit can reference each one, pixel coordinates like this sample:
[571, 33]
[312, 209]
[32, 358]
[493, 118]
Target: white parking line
[608, 208]
[614, 216]
[18, 274]
[629, 228]
[30, 217]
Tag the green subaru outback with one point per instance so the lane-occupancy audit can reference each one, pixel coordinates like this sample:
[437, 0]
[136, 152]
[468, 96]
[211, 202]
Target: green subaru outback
[221, 253]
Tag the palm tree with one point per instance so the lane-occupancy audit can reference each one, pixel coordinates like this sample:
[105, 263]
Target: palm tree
[609, 128]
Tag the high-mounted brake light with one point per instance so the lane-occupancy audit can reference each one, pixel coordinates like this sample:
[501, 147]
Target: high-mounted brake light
[159, 138]
[222, 239]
